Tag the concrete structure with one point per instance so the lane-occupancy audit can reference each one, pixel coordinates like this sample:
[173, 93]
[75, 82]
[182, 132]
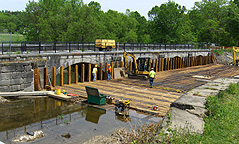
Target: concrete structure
[16, 76]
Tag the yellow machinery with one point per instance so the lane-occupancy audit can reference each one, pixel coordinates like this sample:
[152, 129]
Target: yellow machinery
[122, 107]
[104, 44]
[140, 67]
[235, 57]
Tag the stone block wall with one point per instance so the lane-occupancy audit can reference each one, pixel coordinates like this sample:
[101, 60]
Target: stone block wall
[16, 76]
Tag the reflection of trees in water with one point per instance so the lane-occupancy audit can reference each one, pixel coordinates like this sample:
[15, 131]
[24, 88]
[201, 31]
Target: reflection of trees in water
[24, 112]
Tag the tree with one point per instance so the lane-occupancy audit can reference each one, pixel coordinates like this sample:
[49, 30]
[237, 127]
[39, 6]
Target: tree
[209, 19]
[165, 21]
[11, 27]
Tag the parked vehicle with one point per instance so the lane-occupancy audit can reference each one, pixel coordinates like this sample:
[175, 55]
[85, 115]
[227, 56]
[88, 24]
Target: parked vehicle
[105, 44]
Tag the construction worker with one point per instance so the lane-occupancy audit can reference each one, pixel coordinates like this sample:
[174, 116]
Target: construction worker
[151, 77]
[145, 65]
[109, 72]
[94, 72]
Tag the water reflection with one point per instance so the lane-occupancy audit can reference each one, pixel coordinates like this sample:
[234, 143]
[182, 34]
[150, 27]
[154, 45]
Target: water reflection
[22, 112]
[56, 118]
[93, 114]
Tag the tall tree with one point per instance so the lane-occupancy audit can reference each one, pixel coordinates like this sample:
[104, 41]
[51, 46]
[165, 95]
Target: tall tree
[209, 19]
[165, 21]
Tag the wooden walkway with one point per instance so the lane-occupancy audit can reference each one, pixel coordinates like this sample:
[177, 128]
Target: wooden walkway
[142, 98]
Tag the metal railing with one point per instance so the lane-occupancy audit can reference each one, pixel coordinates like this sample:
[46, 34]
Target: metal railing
[54, 47]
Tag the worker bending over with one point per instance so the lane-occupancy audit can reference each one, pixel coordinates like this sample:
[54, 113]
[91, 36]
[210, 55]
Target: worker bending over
[151, 77]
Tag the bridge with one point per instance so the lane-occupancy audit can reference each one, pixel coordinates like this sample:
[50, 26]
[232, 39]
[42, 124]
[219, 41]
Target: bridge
[16, 70]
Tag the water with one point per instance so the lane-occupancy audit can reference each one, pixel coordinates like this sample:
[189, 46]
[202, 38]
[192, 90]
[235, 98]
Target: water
[56, 118]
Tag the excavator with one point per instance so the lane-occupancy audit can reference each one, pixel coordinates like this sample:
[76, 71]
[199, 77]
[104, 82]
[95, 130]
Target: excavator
[235, 57]
[140, 67]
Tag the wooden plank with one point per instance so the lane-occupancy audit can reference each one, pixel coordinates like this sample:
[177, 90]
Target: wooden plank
[112, 70]
[89, 73]
[82, 76]
[116, 64]
[36, 79]
[54, 76]
[69, 75]
[101, 72]
[106, 71]
[61, 76]
[121, 64]
[45, 77]
[76, 74]
[130, 65]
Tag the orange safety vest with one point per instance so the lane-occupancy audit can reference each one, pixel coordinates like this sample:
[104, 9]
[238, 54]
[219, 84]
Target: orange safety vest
[109, 69]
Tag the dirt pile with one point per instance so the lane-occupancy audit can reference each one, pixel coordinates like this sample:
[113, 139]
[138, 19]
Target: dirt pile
[226, 58]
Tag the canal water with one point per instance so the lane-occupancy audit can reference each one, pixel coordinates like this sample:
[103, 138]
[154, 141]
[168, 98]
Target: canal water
[56, 118]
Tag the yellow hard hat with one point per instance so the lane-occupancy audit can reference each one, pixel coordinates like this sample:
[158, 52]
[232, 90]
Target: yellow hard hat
[64, 91]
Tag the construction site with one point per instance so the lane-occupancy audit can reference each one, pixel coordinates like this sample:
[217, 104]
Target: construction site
[175, 78]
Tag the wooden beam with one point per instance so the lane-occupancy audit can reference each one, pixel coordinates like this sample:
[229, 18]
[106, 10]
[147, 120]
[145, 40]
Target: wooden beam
[112, 69]
[116, 64]
[82, 74]
[101, 72]
[76, 74]
[61, 76]
[130, 65]
[89, 73]
[36, 79]
[54, 76]
[45, 77]
[156, 65]
[121, 64]
[153, 64]
[69, 75]
[106, 71]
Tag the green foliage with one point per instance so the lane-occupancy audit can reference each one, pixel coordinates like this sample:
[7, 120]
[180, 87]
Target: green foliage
[14, 37]
[219, 52]
[72, 20]
[60, 116]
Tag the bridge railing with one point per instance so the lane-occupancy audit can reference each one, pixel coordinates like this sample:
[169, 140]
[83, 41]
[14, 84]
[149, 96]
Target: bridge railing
[57, 47]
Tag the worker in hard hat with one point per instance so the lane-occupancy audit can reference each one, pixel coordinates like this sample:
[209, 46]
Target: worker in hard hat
[151, 77]
[94, 72]
[109, 72]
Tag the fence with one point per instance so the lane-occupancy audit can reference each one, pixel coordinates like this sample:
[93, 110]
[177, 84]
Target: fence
[26, 46]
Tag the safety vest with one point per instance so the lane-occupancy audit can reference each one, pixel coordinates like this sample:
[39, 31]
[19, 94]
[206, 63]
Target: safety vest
[109, 69]
[152, 74]
[94, 70]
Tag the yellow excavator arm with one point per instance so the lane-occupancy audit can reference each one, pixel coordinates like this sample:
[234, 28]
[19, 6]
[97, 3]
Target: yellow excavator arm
[134, 60]
[235, 57]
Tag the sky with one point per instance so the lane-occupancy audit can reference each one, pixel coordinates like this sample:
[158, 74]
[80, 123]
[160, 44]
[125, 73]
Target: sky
[142, 6]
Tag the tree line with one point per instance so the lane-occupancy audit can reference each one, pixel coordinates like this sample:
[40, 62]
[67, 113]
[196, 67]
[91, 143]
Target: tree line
[212, 21]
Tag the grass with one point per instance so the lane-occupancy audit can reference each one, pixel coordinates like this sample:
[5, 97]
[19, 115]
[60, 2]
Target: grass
[15, 37]
[211, 88]
[221, 126]
[221, 51]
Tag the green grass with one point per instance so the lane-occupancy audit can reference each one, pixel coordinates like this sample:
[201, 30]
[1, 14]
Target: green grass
[211, 88]
[221, 51]
[15, 37]
[221, 126]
